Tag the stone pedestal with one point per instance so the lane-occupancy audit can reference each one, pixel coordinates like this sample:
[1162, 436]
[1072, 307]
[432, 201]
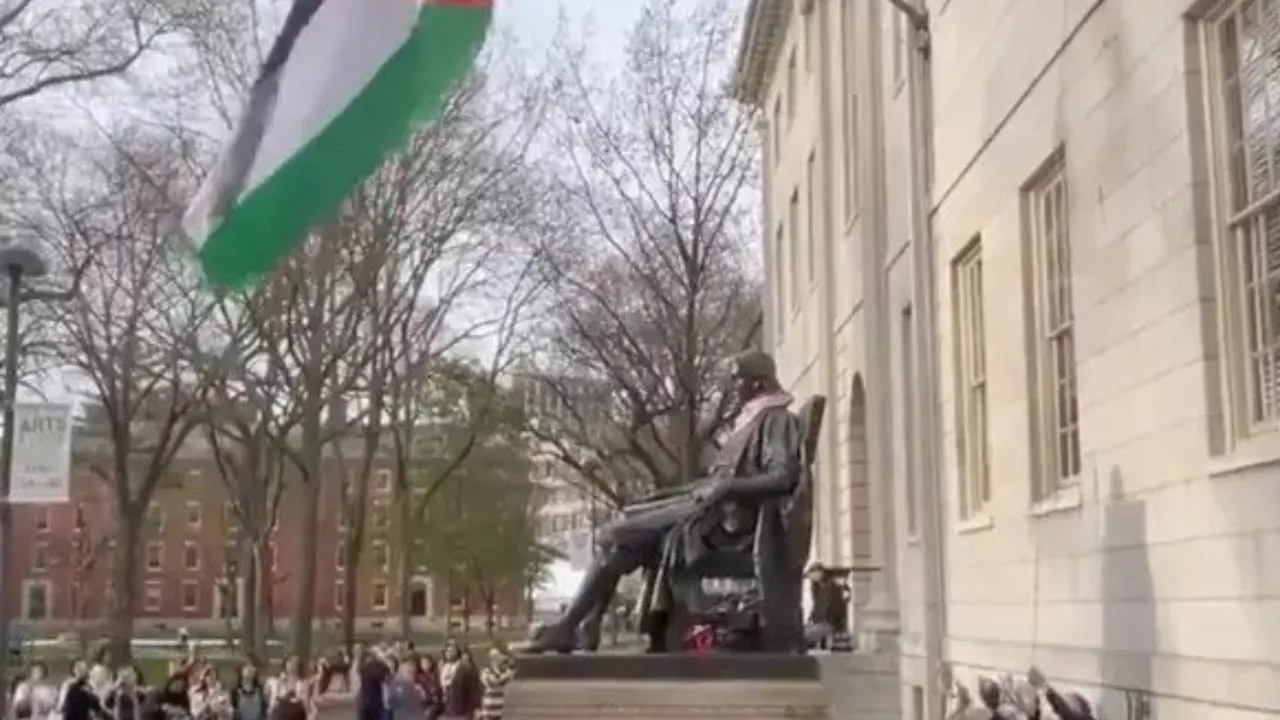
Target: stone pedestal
[667, 687]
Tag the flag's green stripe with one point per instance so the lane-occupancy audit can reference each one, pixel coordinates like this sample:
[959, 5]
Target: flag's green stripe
[273, 218]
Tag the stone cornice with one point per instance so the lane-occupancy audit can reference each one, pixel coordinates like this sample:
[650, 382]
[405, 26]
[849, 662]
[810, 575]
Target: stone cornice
[762, 34]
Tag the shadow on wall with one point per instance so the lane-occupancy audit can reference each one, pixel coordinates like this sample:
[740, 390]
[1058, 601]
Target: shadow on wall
[1129, 632]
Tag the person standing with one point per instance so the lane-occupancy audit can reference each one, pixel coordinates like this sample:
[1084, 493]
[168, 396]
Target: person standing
[494, 679]
[170, 701]
[374, 675]
[125, 699]
[35, 698]
[249, 696]
[406, 699]
[459, 683]
[78, 701]
[101, 676]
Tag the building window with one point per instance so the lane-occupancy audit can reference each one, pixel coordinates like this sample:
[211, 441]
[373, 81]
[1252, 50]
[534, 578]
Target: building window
[1055, 421]
[36, 600]
[777, 129]
[339, 596]
[849, 128]
[793, 237]
[155, 518]
[340, 556]
[191, 556]
[229, 518]
[42, 520]
[40, 556]
[190, 595]
[153, 596]
[793, 83]
[971, 382]
[379, 596]
[81, 521]
[381, 515]
[195, 515]
[1245, 120]
[780, 281]
[811, 212]
[381, 555]
[155, 556]
[382, 481]
[907, 365]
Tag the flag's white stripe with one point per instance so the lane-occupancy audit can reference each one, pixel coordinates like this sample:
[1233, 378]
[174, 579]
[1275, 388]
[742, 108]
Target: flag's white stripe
[334, 58]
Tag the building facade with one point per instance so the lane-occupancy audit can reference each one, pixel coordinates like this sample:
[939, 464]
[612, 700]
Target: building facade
[193, 546]
[1053, 435]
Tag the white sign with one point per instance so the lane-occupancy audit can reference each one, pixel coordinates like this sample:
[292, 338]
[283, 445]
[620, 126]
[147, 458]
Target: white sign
[41, 454]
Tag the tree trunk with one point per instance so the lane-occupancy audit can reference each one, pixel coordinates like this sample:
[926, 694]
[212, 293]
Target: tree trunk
[490, 605]
[308, 529]
[404, 559]
[128, 545]
[251, 604]
[357, 515]
[448, 602]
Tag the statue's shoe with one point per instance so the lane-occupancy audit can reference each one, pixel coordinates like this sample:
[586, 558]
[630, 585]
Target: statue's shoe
[550, 638]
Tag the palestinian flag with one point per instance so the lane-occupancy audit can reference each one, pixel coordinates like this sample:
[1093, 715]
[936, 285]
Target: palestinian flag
[343, 86]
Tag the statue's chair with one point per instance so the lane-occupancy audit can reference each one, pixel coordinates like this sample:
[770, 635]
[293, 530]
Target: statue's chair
[722, 592]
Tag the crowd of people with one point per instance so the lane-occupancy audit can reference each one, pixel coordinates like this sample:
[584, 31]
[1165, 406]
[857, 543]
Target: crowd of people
[391, 681]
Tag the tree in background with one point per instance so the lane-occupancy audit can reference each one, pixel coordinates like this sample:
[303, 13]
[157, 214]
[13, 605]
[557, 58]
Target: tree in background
[129, 329]
[474, 526]
[653, 177]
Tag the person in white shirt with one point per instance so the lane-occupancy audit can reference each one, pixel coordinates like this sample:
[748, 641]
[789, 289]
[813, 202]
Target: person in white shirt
[35, 698]
[101, 676]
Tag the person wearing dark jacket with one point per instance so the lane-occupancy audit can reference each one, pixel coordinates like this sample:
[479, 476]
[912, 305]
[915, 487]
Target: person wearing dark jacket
[171, 701]
[371, 696]
[78, 699]
[461, 691]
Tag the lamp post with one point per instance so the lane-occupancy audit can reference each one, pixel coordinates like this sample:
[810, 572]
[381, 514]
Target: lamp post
[18, 262]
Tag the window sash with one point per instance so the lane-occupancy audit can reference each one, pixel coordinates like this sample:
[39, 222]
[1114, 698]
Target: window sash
[1056, 422]
[975, 476]
[1244, 90]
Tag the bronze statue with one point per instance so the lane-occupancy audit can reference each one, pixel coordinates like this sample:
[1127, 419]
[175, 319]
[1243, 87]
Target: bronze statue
[743, 508]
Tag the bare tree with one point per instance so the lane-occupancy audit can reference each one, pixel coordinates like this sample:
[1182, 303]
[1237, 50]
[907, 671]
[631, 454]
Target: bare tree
[125, 335]
[438, 215]
[649, 262]
[47, 44]
[243, 434]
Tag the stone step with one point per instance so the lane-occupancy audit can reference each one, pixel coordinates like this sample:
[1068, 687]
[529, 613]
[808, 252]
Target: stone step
[666, 699]
[675, 666]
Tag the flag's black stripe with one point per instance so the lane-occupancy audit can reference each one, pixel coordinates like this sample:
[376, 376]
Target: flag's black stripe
[299, 15]
[258, 111]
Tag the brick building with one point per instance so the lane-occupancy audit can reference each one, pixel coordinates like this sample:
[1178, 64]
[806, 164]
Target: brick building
[63, 554]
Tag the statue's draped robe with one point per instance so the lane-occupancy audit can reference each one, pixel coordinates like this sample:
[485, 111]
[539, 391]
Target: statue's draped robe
[771, 492]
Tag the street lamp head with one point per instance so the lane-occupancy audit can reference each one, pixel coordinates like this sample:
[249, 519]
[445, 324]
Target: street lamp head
[22, 258]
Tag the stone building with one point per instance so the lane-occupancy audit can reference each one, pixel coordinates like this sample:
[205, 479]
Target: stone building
[1054, 424]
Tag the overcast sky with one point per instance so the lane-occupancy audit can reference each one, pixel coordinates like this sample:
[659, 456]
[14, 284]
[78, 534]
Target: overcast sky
[534, 22]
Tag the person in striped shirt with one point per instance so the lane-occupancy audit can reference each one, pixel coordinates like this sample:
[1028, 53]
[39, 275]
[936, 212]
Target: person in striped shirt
[495, 679]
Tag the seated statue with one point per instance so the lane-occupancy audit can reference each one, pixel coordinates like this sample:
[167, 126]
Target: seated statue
[742, 508]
